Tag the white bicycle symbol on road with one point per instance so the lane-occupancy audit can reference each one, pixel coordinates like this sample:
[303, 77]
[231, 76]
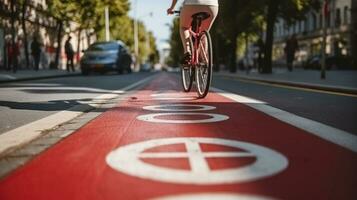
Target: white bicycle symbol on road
[128, 159]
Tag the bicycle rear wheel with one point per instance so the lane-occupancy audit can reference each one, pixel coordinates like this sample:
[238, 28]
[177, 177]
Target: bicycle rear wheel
[187, 74]
[203, 70]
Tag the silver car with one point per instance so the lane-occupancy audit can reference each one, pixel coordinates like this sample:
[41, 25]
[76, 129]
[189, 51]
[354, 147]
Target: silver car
[106, 56]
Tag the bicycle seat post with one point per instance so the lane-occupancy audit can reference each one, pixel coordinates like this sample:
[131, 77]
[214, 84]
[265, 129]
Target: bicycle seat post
[197, 20]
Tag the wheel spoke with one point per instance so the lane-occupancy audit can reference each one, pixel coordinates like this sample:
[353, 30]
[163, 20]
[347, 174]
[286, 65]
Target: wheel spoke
[204, 67]
[204, 53]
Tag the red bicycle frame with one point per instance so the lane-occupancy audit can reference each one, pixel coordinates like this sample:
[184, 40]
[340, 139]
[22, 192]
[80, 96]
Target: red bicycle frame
[196, 36]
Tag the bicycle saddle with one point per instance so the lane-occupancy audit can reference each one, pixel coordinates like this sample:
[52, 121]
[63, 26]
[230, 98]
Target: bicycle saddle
[201, 16]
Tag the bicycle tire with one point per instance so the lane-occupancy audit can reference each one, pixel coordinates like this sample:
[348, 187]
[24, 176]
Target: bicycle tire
[187, 74]
[203, 71]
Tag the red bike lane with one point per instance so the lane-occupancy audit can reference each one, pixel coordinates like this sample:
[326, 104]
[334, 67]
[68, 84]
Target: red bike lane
[163, 144]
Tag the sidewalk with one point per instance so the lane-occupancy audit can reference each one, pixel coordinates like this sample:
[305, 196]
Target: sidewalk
[344, 81]
[24, 75]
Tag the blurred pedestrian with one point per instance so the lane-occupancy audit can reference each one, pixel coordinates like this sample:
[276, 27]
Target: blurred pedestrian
[7, 54]
[249, 57]
[36, 52]
[70, 54]
[12, 55]
[290, 49]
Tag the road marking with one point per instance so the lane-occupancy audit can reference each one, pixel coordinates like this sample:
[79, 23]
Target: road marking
[128, 160]
[214, 196]
[75, 89]
[153, 118]
[328, 133]
[25, 134]
[172, 96]
[196, 158]
[178, 107]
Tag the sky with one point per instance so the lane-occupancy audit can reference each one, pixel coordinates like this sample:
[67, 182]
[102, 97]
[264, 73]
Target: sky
[159, 22]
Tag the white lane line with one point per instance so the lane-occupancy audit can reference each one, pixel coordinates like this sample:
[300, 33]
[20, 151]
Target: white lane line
[79, 89]
[331, 134]
[24, 134]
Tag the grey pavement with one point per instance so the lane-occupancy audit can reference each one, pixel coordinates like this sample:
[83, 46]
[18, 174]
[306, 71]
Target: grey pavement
[336, 80]
[21, 75]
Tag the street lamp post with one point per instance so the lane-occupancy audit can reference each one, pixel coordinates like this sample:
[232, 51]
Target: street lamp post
[136, 39]
[107, 31]
[136, 33]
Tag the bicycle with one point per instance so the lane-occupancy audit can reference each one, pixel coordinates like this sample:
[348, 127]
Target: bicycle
[199, 68]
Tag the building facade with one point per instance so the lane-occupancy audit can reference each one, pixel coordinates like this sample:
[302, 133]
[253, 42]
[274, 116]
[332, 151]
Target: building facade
[39, 23]
[340, 32]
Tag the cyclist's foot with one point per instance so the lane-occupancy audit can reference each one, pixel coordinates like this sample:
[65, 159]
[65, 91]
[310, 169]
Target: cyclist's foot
[186, 59]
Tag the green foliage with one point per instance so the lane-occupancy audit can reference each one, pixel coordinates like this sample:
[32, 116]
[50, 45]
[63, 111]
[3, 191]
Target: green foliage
[239, 19]
[175, 44]
[89, 14]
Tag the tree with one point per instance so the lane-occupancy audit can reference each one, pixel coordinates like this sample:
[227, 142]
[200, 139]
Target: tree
[235, 18]
[175, 44]
[24, 28]
[241, 19]
[63, 11]
[290, 11]
[14, 14]
[87, 13]
[154, 55]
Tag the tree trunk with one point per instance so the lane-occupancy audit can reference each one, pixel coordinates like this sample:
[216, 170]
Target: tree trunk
[88, 38]
[272, 14]
[13, 35]
[233, 57]
[59, 42]
[24, 8]
[79, 45]
[354, 32]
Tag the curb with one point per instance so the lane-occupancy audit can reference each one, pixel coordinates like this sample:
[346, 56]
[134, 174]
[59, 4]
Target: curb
[38, 78]
[344, 90]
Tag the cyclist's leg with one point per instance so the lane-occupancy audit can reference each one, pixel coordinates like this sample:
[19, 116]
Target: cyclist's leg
[185, 22]
[206, 25]
[213, 12]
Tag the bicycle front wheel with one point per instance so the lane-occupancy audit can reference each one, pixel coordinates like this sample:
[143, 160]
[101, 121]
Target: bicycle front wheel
[203, 70]
[187, 74]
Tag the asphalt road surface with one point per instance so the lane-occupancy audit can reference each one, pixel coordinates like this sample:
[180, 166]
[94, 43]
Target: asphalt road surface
[339, 111]
[25, 102]
[246, 140]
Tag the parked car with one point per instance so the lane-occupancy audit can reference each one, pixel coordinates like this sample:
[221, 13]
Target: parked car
[332, 62]
[106, 56]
